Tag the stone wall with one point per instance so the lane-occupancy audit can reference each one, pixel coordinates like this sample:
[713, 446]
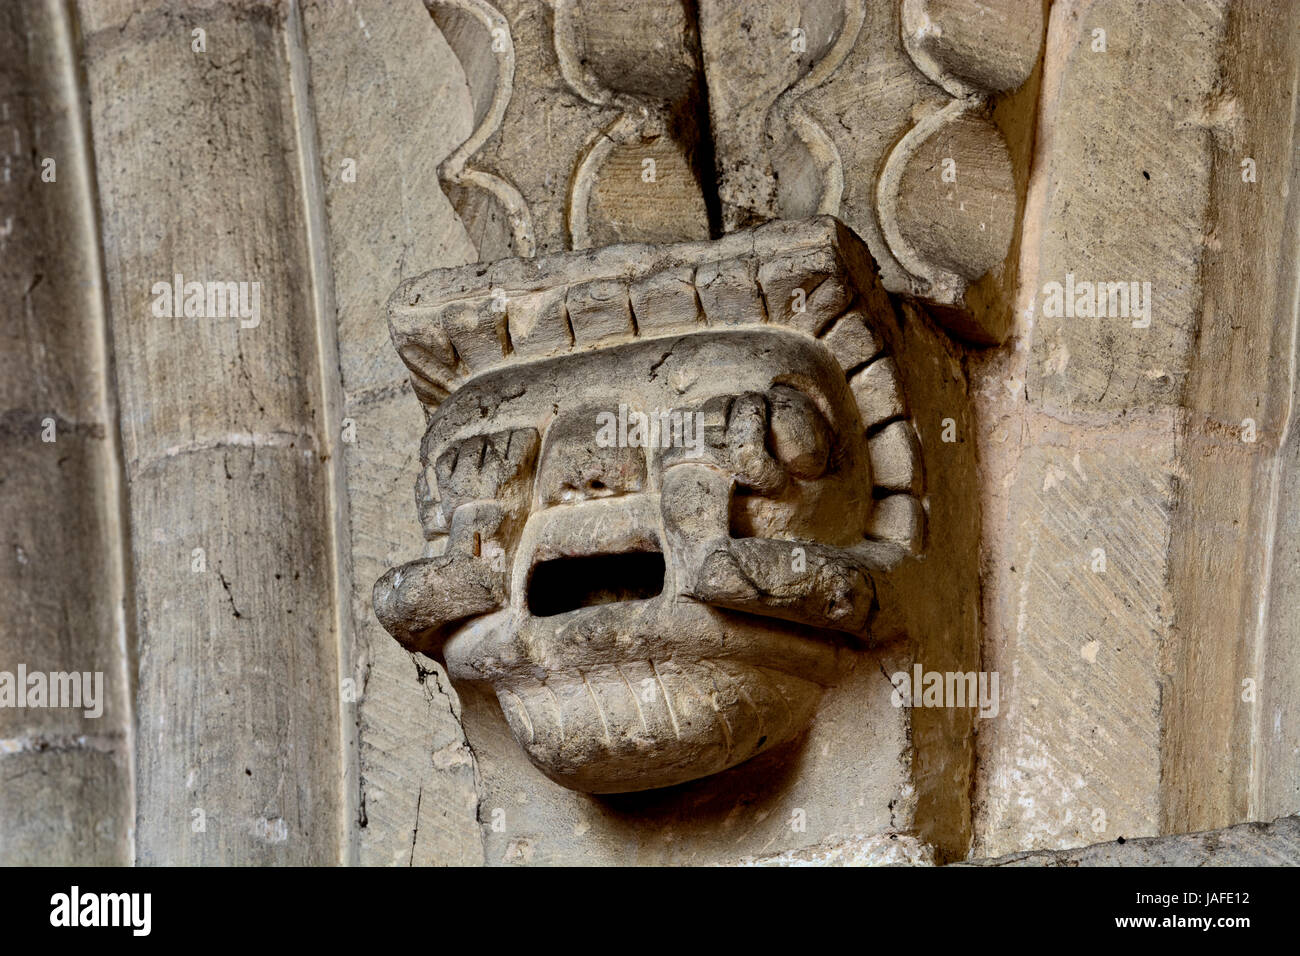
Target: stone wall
[199, 505]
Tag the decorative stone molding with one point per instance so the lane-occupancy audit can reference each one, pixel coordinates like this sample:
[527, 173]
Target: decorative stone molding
[880, 114]
[587, 127]
[638, 178]
[454, 170]
[893, 107]
[942, 262]
[971, 50]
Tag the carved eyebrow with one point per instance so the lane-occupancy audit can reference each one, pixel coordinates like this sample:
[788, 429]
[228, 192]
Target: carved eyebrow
[453, 441]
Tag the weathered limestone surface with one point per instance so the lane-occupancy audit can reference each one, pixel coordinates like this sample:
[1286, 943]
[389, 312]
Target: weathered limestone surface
[1248, 844]
[1236, 567]
[417, 797]
[1078, 431]
[238, 697]
[65, 778]
[1138, 563]
[1101, 509]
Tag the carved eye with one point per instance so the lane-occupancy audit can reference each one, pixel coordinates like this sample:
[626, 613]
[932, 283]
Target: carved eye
[798, 435]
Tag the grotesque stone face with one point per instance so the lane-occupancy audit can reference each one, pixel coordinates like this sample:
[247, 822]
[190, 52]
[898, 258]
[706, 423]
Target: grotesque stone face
[656, 543]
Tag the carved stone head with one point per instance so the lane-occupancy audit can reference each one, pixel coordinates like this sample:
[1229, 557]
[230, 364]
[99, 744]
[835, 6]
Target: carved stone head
[659, 484]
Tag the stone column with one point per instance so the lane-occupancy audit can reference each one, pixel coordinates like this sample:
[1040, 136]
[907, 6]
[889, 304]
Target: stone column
[65, 772]
[226, 431]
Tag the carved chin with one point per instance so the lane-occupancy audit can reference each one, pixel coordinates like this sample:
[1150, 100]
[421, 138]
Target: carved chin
[615, 728]
[646, 694]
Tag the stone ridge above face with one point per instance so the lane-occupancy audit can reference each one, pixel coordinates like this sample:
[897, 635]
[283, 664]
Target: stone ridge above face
[451, 324]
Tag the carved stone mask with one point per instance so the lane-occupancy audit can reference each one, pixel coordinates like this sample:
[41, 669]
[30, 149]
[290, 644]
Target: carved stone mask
[659, 485]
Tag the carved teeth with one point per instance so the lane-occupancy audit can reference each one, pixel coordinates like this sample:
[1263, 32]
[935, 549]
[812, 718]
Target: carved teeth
[599, 312]
[666, 301]
[802, 291]
[900, 519]
[729, 293]
[453, 323]
[477, 332]
[878, 392]
[538, 323]
[895, 457]
[852, 340]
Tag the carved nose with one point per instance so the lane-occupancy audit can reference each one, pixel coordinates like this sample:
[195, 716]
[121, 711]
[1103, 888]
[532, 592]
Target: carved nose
[583, 473]
[594, 450]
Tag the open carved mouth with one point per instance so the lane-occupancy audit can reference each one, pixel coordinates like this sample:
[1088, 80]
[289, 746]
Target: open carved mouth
[567, 584]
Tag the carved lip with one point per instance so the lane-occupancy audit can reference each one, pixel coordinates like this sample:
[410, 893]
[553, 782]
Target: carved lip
[597, 526]
[518, 643]
[511, 644]
[648, 724]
